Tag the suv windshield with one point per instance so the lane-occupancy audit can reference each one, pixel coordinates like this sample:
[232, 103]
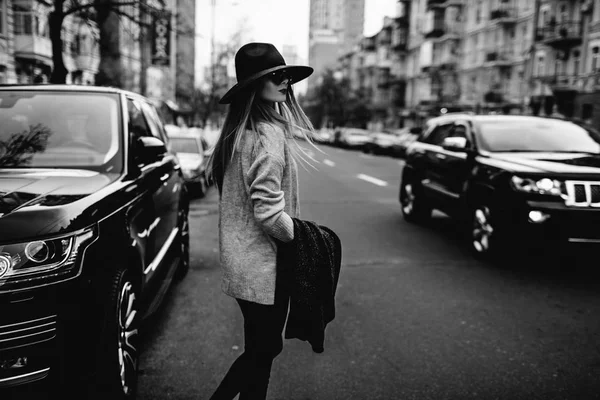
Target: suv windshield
[539, 135]
[60, 130]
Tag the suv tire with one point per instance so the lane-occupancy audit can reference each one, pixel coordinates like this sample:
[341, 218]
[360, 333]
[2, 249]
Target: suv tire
[118, 351]
[483, 232]
[414, 207]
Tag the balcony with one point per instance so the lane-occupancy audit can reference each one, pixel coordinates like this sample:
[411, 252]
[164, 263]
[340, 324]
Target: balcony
[399, 39]
[504, 15]
[590, 83]
[368, 43]
[435, 3]
[448, 62]
[30, 41]
[437, 29]
[451, 31]
[561, 35]
[500, 58]
[562, 82]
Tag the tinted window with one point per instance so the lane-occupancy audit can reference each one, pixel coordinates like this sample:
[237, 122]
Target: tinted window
[438, 134]
[137, 123]
[60, 130]
[538, 135]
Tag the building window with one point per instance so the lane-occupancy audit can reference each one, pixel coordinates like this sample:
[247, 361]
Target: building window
[576, 62]
[587, 111]
[596, 10]
[29, 22]
[558, 67]
[478, 12]
[595, 58]
[2, 74]
[2, 17]
[564, 13]
[541, 68]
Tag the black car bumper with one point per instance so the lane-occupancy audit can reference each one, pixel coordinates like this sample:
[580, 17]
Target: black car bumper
[556, 221]
[39, 331]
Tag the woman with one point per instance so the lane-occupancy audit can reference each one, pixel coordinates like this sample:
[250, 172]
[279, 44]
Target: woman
[254, 168]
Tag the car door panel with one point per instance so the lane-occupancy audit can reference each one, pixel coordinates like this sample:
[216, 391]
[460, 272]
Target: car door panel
[454, 168]
[433, 156]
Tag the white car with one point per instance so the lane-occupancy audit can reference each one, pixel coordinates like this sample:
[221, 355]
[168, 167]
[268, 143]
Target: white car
[192, 157]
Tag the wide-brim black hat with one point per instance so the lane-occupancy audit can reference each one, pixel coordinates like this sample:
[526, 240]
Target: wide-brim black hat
[255, 60]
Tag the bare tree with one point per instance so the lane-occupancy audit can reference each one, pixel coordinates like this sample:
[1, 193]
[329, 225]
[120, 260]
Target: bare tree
[107, 15]
[206, 101]
[86, 10]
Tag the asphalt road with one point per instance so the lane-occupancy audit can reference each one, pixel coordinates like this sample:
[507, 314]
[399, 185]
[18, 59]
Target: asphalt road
[417, 316]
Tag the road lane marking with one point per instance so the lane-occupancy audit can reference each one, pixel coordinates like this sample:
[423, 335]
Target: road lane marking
[372, 180]
[328, 162]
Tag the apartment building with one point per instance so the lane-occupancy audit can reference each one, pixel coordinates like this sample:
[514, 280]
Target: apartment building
[335, 26]
[26, 50]
[566, 65]
[469, 54]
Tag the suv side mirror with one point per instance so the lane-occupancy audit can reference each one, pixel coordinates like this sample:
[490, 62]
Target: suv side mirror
[459, 144]
[150, 149]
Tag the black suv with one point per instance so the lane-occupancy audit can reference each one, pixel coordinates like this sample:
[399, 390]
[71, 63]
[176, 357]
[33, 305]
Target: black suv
[93, 227]
[518, 179]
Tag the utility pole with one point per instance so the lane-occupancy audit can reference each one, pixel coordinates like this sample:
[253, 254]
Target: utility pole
[213, 84]
[144, 44]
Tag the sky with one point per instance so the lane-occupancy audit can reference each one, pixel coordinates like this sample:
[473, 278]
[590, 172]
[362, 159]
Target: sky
[274, 21]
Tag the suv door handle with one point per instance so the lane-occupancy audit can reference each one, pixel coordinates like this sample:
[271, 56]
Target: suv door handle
[441, 156]
[164, 177]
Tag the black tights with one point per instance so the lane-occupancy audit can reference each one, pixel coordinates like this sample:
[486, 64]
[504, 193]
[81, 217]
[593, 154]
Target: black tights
[249, 374]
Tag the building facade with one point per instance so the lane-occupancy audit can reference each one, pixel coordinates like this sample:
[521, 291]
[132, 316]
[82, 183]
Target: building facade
[500, 56]
[26, 49]
[335, 27]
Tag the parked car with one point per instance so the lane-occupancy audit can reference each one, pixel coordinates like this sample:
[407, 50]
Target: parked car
[351, 138]
[193, 158]
[323, 136]
[515, 181]
[381, 143]
[93, 230]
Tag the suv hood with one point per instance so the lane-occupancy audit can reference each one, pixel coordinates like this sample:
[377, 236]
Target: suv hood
[21, 189]
[555, 163]
[45, 201]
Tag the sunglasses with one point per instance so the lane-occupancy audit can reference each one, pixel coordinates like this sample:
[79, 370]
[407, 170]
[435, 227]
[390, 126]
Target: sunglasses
[279, 76]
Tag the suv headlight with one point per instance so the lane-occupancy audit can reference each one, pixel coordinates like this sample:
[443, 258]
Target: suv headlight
[38, 262]
[539, 186]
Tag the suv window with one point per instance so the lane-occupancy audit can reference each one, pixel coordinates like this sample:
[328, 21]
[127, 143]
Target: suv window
[459, 131]
[138, 127]
[438, 134]
[153, 122]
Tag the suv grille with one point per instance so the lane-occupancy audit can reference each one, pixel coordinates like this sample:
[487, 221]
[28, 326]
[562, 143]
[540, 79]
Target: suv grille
[582, 194]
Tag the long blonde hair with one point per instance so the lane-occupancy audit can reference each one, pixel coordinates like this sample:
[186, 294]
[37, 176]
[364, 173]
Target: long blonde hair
[246, 111]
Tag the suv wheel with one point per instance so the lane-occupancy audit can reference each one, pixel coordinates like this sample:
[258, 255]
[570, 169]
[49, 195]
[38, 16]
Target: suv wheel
[118, 357]
[414, 209]
[483, 234]
[184, 249]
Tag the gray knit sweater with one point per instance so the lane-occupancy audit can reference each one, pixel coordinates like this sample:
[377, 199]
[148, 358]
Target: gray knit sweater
[259, 197]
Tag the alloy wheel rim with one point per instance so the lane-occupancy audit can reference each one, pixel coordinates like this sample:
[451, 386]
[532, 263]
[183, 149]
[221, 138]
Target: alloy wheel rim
[128, 336]
[482, 229]
[409, 199]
